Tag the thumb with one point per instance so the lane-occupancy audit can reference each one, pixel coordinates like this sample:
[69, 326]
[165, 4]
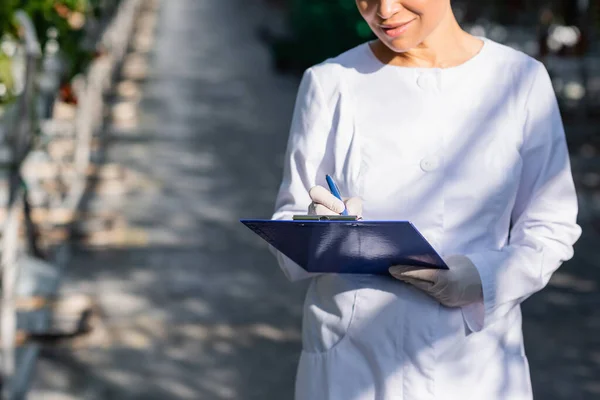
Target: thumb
[320, 195]
[354, 206]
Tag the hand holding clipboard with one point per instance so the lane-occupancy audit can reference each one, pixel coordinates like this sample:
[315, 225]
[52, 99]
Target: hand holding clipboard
[327, 242]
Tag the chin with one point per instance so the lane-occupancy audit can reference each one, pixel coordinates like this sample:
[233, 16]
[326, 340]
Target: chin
[400, 45]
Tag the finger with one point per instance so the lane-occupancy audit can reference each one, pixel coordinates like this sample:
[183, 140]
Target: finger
[422, 285]
[354, 206]
[427, 275]
[320, 209]
[408, 272]
[402, 269]
[320, 195]
[398, 272]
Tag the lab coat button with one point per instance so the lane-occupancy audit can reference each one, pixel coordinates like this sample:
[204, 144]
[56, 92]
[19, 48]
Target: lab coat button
[429, 164]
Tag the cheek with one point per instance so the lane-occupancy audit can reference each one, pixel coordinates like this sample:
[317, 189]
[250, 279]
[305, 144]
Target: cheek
[430, 14]
[368, 9]
[431, 11]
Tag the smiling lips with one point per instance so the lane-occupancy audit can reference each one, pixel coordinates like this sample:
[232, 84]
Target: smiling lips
[395, 30]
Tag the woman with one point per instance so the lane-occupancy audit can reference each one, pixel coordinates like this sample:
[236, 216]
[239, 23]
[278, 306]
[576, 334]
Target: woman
[463, 137]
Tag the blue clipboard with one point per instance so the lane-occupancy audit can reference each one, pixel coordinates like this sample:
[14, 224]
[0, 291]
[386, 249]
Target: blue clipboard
[348, 247]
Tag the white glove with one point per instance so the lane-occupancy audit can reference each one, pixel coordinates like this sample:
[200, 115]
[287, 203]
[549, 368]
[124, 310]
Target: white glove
[458, 286]
[325, 203]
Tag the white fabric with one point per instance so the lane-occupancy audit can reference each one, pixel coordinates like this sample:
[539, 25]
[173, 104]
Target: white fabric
[475, 156]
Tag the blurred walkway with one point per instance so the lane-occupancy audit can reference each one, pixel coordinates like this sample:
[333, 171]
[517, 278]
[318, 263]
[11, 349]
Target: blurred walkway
[194, 305]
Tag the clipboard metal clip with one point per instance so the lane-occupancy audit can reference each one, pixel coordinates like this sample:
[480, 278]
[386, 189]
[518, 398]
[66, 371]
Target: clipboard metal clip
[326, 218]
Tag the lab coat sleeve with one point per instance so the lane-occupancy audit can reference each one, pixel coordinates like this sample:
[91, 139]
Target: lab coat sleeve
[305, 162]
[543, 219]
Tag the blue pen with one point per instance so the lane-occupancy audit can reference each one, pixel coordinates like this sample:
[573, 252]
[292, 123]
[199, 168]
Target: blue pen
[335, 191]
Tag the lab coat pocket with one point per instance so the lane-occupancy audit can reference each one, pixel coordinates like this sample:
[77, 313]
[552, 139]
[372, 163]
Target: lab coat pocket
[329, 311]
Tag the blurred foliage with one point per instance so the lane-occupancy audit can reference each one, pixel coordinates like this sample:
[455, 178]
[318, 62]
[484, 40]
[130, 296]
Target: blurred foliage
[321, 28]
[6, 78]
[67, 17]
[62, 21]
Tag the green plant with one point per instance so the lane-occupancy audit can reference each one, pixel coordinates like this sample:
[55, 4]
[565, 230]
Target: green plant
[60, 20]
[6, 79]
[65, 18]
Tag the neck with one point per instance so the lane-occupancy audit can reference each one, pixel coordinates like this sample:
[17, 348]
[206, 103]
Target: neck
[447, 46]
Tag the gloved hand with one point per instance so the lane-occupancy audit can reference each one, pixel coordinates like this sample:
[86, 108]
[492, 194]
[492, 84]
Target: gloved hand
[325, 203]
[456, 287]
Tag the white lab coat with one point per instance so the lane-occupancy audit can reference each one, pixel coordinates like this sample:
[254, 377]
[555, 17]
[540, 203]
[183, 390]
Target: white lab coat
[475, 156]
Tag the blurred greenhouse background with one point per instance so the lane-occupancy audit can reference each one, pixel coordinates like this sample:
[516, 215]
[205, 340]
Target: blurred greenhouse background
[126, 162]
[563, 33]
